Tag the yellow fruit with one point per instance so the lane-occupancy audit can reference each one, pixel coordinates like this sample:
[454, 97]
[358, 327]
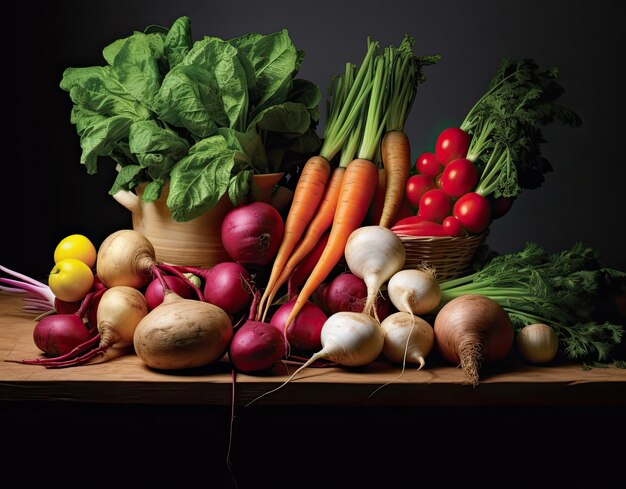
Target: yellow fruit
[70, 280]
[76, 246]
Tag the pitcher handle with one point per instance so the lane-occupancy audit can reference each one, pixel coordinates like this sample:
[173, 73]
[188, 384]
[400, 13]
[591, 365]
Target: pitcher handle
[129, 200]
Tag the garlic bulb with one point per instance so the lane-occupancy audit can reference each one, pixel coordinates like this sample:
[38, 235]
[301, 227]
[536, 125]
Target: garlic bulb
[538, 343]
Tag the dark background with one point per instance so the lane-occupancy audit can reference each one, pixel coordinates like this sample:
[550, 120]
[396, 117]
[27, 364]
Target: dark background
[47, 194]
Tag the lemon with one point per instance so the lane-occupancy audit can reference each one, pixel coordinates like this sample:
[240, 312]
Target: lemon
[70, 280]
[78, 247]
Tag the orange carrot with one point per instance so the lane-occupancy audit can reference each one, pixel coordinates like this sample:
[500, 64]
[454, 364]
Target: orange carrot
[319, 224]
[376, 209]
[306, 199]
[357, 189]
[396, 152]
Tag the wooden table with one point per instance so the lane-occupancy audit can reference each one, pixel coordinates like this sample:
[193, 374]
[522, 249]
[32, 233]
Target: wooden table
[125, 379]
[561, 414]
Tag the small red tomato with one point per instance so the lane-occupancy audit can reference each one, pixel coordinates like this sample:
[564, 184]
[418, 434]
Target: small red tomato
[428, 164]
[451, 144]
[474, 212]
[435, 205]
[416, 185]
[453, 227]
[459, 177]
[501, 206]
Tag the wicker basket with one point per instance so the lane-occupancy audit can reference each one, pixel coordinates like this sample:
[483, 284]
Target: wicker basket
[449, 256]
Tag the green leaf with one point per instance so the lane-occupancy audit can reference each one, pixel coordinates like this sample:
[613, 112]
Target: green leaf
[127, 178]
[288, 118]
[110, 52]
[98, 89]
[137, 69]
[240, 187]
[249, 144]
[206, 91]
[157, 149]
[200, 179]
[153, 190]
[308, 94]
[101, 138]
[275, 60]
[178, 41]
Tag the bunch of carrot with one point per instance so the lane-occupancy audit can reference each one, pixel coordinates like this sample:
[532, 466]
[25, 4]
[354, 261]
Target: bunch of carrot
[368, 106]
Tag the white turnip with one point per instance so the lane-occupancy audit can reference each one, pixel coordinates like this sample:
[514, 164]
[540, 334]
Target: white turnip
[408, 339]
[414, 291]
[374, 253]
[349, 339]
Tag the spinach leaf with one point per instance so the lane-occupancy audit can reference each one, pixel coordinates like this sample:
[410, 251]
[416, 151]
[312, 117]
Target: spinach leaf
[136, 67]
[101, 138]
[274, 59]
[178, 41]
[202, 177]
[97, 88]
[157, 149]
[290, 118]
[127, 178]
[207, 90]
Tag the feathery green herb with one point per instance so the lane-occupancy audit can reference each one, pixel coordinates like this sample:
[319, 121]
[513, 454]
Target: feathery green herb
[505, 125]
[561, 289]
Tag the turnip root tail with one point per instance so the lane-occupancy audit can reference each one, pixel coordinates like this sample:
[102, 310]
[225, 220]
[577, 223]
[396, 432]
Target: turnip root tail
[470, 354]
[317, 356]
[373, 286]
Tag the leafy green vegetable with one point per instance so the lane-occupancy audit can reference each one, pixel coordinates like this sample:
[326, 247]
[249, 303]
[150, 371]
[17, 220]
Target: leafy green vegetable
[200, 116]
[505, 125]
[562, 290]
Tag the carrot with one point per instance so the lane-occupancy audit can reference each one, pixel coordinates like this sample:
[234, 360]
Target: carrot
[355, 195]
[319, 224]
[396, 151]
[376, 209]
[306, 198]
[405, 76]
[349, 94]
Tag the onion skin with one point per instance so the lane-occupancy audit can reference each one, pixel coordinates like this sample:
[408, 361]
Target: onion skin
[537, 343]
[471, 329]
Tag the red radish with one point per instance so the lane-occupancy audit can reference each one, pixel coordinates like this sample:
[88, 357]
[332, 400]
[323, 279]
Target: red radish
[256, 346]
[227, 285]
[155, 292]
[416, 186]
[303, 333]
[435, 205]
[119, 312]
[471, 329]
[59, 334]
[451, 144]
[428, 164]
[459, 177]
[347, 292]
[453, 227]
[474, 212]
[251, 233]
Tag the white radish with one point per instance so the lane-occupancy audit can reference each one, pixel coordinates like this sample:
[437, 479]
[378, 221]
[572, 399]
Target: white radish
[408, 338]
[375, 254]
[349, 339]
[414, 290]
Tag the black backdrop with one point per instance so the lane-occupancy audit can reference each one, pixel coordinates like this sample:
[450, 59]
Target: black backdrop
[47, 194]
